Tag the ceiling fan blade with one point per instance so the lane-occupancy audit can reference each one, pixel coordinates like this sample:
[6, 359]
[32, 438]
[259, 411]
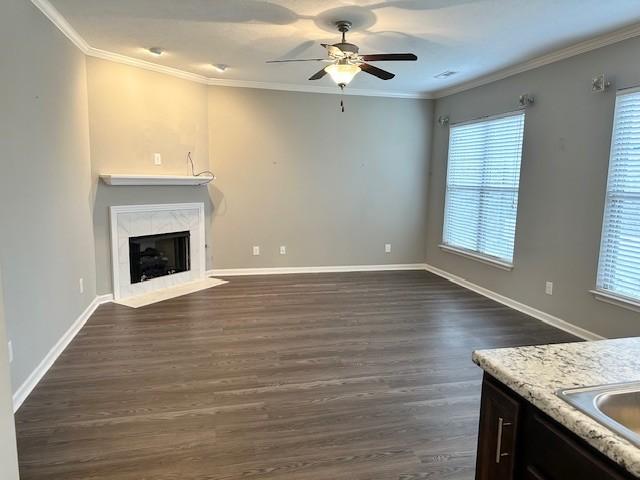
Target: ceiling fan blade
[376, 72]
[318, 75]
[297, 60]
[389, 57]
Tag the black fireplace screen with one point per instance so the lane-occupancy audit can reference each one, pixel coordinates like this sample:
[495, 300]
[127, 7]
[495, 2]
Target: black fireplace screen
[155, 256]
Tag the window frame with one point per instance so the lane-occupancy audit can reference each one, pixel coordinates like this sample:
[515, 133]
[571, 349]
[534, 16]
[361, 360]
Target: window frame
[482, 257]
[606, 295]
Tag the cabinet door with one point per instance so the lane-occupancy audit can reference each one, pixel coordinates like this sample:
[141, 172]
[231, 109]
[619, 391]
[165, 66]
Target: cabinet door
[499, 415]
[551, 453]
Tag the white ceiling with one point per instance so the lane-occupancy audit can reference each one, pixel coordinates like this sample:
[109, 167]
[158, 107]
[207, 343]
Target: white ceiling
[471, 37]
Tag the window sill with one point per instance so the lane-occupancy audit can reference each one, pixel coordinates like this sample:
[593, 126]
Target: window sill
[494, 262]
[618, 300]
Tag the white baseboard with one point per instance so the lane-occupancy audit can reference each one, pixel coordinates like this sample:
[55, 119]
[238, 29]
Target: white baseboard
[100, 299]
[30, 383]
[521, 307]
[232, 272]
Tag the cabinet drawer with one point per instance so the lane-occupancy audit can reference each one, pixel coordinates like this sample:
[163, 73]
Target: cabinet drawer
[550, 453]
[499, 416]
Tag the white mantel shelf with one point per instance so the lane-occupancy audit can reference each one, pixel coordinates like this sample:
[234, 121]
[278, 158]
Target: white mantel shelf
[142, 180]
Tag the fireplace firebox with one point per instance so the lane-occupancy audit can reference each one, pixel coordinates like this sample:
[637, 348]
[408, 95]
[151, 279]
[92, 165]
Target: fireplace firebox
[153, 256]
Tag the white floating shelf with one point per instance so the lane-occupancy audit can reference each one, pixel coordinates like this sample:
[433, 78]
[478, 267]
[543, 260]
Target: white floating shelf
[142, 180]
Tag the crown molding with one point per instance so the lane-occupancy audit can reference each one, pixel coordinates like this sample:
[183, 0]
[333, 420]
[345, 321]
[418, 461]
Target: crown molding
[314, 89]
[586, 46]
[555, 56]
[65, 27]
[224, 82]
[59, 21]
[154, 67]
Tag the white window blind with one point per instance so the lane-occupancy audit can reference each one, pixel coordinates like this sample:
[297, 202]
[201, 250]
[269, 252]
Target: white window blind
[483, 175]
[619, 264]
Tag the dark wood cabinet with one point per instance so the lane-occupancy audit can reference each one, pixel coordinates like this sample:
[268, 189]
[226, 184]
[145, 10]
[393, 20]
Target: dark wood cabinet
[530, 473]
[554, 453]
[519, 442]
[499, 418]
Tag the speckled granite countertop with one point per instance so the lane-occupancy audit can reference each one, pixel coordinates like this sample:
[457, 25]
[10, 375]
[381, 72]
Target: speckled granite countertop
[537, 372]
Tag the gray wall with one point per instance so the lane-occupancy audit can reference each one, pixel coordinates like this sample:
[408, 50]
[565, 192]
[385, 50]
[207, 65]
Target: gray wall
[562, 186]
[292, 170]
[134, 113]
[8, 454]
[333, 187]
[47, 238]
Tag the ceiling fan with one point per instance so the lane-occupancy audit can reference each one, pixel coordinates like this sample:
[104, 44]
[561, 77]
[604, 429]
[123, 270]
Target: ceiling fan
[346, 61]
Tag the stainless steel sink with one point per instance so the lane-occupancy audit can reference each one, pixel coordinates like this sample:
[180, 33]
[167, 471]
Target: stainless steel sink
[617, 407]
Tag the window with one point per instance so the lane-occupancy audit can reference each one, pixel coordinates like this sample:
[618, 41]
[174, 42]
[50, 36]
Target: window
[619, 264]
[483, 175]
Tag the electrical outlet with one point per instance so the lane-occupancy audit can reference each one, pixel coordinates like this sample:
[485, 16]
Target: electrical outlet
[283, 250]
[256, 250]
[548, 288]
[82, 285]
[387, 248]
[10, 350]
[157, 159]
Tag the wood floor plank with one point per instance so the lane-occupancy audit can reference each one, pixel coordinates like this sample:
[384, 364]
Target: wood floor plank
[309, 377]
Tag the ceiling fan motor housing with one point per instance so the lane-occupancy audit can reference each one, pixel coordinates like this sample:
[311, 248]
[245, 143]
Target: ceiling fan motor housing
[343, 25]
[347, 47]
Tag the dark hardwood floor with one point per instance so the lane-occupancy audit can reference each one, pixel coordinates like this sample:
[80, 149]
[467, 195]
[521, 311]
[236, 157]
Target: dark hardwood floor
[306, 377]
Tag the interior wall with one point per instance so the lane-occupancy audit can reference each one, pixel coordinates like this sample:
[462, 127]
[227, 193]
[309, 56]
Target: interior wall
[332, 187]
[562, 185]
[291, 169]
[134, 114]
[47, 237]
[8, 453]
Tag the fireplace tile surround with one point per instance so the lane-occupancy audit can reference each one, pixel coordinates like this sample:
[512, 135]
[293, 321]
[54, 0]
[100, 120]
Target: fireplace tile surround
[140, 220]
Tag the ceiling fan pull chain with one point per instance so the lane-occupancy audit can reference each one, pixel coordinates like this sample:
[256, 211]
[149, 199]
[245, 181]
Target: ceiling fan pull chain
[342, 105]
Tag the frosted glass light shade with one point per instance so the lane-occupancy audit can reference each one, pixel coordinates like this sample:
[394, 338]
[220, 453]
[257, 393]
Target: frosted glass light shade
[342, 73]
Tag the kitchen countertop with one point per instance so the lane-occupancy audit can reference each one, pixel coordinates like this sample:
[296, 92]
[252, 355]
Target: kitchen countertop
[537, 372]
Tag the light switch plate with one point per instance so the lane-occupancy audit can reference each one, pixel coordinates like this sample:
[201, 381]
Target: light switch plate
[387, 248]
[157, 159]
[256, 249]
[548, 288]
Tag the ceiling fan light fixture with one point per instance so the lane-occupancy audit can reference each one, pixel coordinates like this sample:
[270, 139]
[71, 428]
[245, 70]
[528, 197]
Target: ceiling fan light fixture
[342, 73]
